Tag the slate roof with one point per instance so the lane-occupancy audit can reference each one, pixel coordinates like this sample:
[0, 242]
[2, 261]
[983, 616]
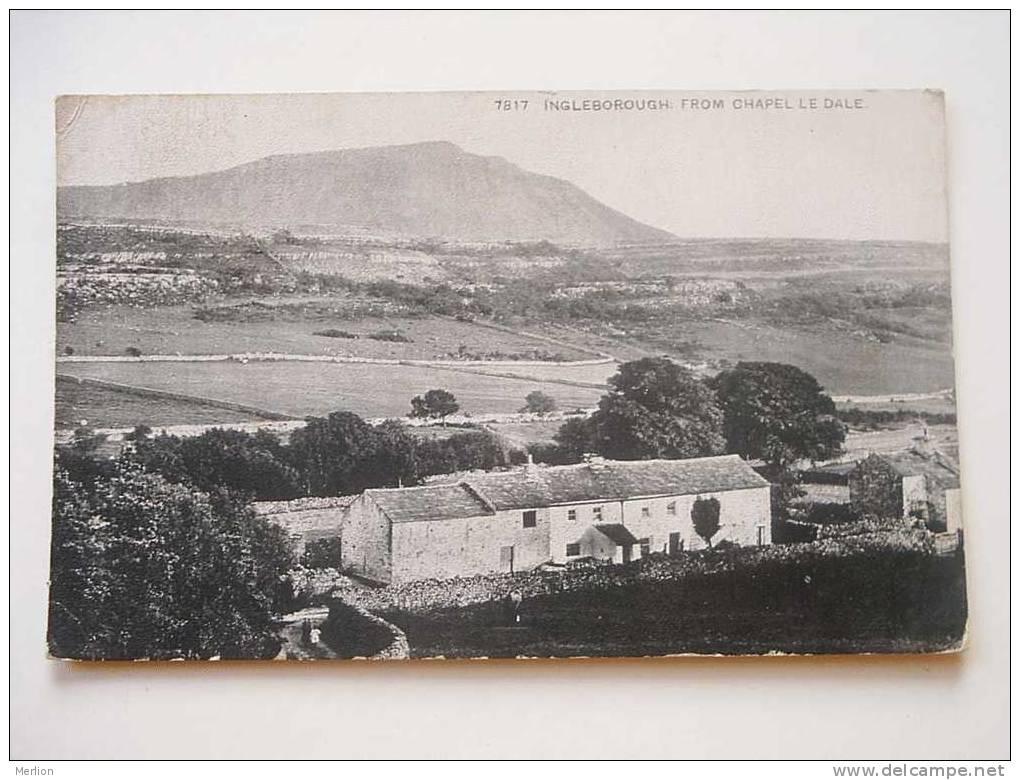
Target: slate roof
[431, 502]
[263, 508]
[534, 487]
[617, 534]
[911, 463]
[609, 480]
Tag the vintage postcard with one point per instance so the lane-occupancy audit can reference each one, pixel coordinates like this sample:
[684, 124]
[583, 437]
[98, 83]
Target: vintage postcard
[475, 375]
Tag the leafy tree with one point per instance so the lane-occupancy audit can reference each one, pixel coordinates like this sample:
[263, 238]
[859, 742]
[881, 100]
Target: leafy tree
[253, 464]
[778, 413]
[461, 452]
[657, 409]
[144, 568]
[538, 402]
[400, 459]
[705, 516]
[435, 404]
[574, 439]
[338, 455]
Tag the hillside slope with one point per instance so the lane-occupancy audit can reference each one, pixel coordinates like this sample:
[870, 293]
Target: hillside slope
[432, 189]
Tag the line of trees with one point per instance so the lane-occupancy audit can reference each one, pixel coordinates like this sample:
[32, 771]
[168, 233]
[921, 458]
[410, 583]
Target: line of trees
[656, 408]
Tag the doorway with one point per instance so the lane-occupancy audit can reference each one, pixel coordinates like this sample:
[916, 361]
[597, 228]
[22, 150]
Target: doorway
[506, 559]
[676, 544]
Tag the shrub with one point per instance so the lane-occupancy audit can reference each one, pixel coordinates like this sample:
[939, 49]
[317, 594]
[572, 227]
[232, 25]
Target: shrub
[390, 335]
[831, 514]
[538, 402]
[705, 516]
[333, 333]
[793, 532]
[133, 351]
[322, 553]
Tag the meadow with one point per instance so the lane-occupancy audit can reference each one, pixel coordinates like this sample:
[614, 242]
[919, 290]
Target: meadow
[101, 407]
[301, 389]
[170, 330]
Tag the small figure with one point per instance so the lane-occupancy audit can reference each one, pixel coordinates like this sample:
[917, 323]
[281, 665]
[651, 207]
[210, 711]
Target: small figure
[516, 599]
[314, 635]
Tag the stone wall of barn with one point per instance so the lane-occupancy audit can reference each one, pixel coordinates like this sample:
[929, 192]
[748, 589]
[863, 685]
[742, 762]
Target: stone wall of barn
[462, 547]
[366, 541]
[307, 525]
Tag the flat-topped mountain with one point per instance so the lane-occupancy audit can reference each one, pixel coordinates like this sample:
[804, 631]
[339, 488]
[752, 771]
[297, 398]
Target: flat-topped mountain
[432, 189]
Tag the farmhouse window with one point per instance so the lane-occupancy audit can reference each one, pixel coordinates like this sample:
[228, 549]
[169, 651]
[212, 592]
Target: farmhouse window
[671, 508]
[646, 511]
[646, 546]
[571, 514]
[574, 548]
[596, 512]
[530, 517]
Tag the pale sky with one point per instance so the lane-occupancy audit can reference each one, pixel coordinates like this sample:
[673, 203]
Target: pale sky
[874, 172]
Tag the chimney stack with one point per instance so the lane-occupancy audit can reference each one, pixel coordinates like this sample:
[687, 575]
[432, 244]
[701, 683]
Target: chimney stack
[530, 468]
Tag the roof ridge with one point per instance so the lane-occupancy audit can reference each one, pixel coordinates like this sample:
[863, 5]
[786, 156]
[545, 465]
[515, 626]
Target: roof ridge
[640, 462]
[411, 487]
[479, 495]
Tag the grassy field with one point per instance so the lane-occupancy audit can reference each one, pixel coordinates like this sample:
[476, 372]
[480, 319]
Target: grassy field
[523, 434]
[889, 603]
[859, 444]
[105, 408]
[301, 389]
[169, 330]
[844, 364]
[174, 329]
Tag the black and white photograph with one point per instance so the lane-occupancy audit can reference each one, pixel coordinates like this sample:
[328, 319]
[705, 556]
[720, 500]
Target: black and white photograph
[504, 375]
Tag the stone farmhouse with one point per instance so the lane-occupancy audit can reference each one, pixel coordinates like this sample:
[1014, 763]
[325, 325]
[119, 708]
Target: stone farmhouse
[517, 520]
[918, 483]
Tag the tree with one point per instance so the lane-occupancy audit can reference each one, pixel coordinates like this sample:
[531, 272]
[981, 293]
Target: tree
[435, 404]
[778, 413]
[574, 439]
[338, 455]
[253, 464]
[538, 402]
[466, 451]
[657, 409]
[399, 460]
[705, 515]
[144, 568]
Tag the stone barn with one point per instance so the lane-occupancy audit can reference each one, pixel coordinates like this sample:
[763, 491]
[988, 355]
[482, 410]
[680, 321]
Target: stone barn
[913, 483]
[307, 521]
[516, 520]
